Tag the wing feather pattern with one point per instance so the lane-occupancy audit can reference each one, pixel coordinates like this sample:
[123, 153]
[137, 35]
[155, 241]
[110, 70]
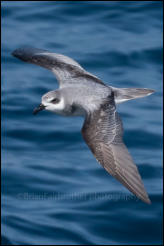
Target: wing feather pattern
[66, 70]
[103, 131]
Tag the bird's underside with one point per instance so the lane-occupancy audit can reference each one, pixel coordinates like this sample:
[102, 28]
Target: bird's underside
[102, 129]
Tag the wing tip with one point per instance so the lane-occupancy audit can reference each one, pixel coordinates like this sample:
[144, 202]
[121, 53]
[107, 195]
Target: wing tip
[142, 195]
[15, 53]
[22, 53]
[26, 52]
[146, 200]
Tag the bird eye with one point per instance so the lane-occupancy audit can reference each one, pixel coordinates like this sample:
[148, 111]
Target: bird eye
[55, 100]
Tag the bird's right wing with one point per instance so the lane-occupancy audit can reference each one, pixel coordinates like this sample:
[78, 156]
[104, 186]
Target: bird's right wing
[66, 70]
[103, 132]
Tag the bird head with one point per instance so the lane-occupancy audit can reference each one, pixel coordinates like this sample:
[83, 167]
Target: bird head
[51, 101]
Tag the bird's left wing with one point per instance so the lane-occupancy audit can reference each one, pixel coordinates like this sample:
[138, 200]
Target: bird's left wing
[66, 70]
[102, 131]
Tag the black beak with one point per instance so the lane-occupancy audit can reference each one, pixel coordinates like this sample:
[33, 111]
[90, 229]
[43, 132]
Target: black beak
[39, 108]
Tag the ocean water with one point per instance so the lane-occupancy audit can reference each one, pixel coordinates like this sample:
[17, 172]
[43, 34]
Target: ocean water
[53, 190]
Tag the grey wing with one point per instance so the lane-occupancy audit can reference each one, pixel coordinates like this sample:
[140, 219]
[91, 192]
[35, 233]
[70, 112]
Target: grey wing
[103, 132]
[66, 70]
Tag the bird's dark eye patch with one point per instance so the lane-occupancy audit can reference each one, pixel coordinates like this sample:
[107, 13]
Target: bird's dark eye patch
[55, 100]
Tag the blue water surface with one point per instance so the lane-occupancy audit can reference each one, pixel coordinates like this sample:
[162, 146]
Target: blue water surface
[53, 190]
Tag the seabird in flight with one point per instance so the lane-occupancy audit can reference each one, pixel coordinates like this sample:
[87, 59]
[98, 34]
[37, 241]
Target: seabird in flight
[82, 93]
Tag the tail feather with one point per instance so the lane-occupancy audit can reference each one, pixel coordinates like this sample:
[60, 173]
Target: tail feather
[125, 94]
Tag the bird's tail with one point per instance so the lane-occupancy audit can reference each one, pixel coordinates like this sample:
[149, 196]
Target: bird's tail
[124, 94]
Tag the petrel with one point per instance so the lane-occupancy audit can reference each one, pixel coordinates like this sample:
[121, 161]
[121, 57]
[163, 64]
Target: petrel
[81, 93]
